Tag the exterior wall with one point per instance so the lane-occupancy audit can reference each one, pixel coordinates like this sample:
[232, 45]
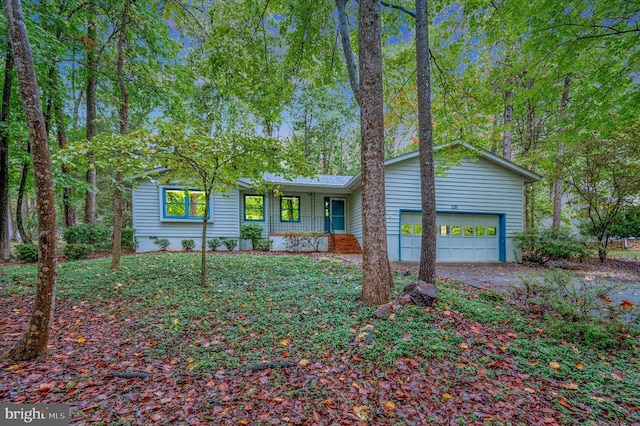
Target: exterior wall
[148, 224]
[471, 187]
[354, 212]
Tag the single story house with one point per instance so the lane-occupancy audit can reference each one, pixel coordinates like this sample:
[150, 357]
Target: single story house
[479, 205]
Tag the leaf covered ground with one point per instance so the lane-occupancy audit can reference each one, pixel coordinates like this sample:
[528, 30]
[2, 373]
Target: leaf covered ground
[474, 359]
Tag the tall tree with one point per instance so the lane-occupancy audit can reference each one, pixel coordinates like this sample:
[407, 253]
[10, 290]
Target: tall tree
[377, 280]
[5, 247]
[34, 342]
[116, 250]
[91, 129]
[425, 133]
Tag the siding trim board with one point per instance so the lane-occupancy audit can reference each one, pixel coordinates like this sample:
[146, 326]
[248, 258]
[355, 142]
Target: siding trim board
[502, 228]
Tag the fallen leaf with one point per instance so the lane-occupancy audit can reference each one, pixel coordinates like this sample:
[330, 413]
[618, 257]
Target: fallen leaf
[571, 386]
[579, 366]
[618, 375]
[406, 337]
[626, 304]
[446, 395]
[463, 346]
[389, 406]
[81, 339]
[362, 411]
[304, 363]
[285, 342]
[243, 422]
[530, 390]
[563, 402]
[554, 365]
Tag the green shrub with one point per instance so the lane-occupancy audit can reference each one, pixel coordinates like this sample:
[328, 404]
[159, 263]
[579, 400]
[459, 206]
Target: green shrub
[251, 231]
[129, 240]
[573, 298]
[77, 251]
[162, 243]
[98, 236]
[214, 243]
[188, 245]
[542, 245]
[230, 243]
[263, 244]
[27, 252]
[300, 240]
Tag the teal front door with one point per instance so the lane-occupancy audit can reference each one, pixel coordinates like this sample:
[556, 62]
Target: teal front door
[337, 214]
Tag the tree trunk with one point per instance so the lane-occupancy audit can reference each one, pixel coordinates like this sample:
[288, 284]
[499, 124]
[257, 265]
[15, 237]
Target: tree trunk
[558, 182]
[203, 245]
[377, 278]
[92, 85]
[61, 136]
[34, 343]
[346, 47]
[506, 135]
[116, 250]
[21, 202]
[425, 136]
[5, 238]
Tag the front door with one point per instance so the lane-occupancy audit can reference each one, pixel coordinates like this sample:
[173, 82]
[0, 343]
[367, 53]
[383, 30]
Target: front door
[335, 219]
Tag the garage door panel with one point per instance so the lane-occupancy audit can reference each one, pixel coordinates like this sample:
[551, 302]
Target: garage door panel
[460, 238]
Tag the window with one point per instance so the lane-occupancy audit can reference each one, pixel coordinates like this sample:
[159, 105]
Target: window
[183, 203]
[444, 230]
[456, 230]
[290, 209]
[479, 231]
[254, 207]
[491, 231]
[468, 230]
[407, 229]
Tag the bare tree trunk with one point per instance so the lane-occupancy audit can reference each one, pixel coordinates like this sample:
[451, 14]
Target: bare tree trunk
[203, 245]
[21, 202]
[558, 182]
[425, 136]
[5, 238]
[116, 250]
[377, 278]
[346, 47]
[92, 85]
[34, 342]
[507, 118]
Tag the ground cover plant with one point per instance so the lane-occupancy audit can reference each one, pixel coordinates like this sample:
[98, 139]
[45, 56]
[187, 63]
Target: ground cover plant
[475, 358]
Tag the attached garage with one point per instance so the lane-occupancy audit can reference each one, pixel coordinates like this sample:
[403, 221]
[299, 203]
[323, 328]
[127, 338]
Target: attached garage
[461, 237]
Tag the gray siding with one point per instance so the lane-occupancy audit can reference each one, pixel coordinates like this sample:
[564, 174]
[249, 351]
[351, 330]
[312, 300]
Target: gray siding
[473, 186]
[147, 221]
[354, 219]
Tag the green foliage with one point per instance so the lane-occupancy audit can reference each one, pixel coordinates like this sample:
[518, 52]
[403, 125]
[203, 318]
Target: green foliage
[574, 299]
[27, 252]
[162, 243]
[251, 231]
[542, 245]
[297, 241]
[188, 245]
[230, 243]
[214, 243]
[263, 244]
[98, 236]
[77, 251]
[129, 240]
[310, 310]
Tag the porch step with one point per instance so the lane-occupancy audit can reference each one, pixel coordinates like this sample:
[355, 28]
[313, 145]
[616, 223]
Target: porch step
[344, 244]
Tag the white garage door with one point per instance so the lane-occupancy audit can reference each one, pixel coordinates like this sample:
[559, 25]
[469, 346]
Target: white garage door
[461, 237]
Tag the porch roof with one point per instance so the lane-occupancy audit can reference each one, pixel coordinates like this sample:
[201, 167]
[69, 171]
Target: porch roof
[318, 181]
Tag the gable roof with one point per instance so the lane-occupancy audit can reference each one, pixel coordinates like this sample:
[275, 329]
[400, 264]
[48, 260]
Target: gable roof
[326, 181]
[528, 175]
